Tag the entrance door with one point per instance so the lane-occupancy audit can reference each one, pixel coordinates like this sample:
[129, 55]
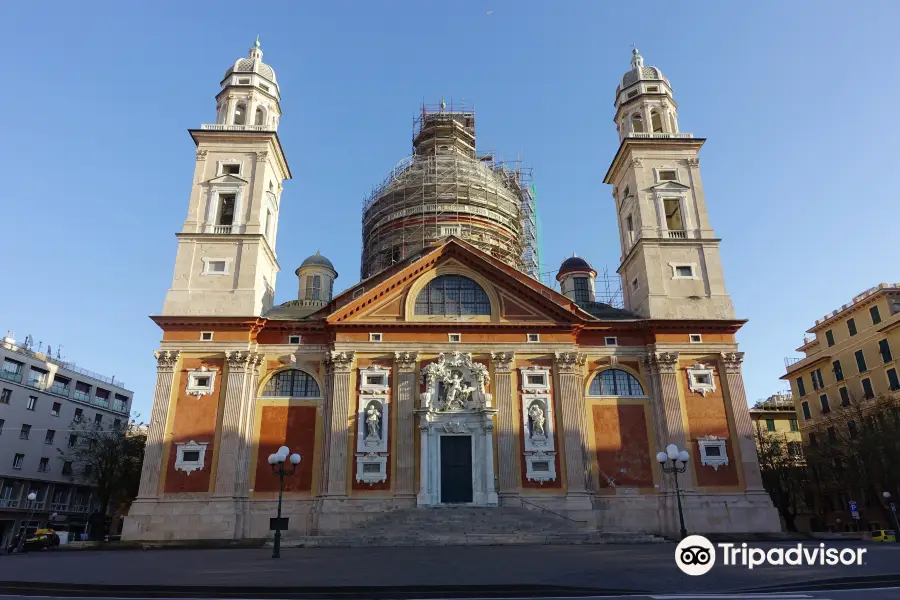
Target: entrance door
[456, 469]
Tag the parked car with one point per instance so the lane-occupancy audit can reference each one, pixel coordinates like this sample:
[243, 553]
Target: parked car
[884, 535]
[42, 539]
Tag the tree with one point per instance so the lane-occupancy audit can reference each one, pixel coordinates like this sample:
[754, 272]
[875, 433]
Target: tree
[109, 458]
[783, 474]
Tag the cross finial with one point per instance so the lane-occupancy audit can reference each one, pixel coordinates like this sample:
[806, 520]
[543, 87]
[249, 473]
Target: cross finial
[256, 43]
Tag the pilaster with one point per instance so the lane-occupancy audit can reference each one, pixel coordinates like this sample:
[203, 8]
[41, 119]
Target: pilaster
[666, 400]
[159, 416]
[239, 397]
[506, 424]
[340, 365]
[734, 381]
[569, 368]
[406, 363]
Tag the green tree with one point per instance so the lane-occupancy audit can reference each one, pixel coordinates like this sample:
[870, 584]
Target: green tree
[783, 474]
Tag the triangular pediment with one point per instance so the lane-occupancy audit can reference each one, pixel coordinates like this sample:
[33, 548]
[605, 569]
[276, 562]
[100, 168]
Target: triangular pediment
[670, 185]
[227, 179]
[514, 296]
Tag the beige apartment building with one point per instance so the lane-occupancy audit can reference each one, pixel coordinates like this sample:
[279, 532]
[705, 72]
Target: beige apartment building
[849, 359]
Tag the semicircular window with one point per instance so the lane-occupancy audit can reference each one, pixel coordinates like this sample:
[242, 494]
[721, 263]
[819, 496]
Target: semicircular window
[292, 383]
[453, 295]
[615, 382]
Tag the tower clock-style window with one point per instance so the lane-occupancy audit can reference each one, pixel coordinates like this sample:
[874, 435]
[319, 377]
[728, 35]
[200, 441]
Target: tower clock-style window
[292, 383]
[452, 295]
[615, 382]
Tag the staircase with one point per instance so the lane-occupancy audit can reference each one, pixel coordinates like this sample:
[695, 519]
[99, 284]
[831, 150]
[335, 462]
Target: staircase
[465, 526]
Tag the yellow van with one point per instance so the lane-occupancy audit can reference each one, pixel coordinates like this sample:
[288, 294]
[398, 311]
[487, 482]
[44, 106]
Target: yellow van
[884, 535]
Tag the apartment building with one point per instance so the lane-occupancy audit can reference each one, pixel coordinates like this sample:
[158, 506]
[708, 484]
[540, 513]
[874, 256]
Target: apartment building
[40, 398]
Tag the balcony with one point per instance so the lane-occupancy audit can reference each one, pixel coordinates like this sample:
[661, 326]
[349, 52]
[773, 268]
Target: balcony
[79, 508]
[82, 396]
[677, 234]
[661, 136]
[59, 506]
[222, 127]
[98, 401]
[220, 229]
[10, 376]
[36, 505]
[120, 407]
[38, 384]
[9, 504]
[59, 390]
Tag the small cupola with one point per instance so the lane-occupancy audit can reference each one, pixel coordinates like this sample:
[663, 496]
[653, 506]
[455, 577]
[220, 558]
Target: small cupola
[576, 279]
[644, 103]
[315, 277]
[250, 95]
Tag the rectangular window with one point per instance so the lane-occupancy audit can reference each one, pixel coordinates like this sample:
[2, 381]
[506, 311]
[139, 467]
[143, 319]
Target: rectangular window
[98, 419]
[18, 459]
[876, 317]
[231, 169]
[629, 227]
[582, 289]
[25, 432]
[885, 348]
[533, 337]
[684, 271]
[801, 388]
[672, 208]
[2, 423]
[829, 337]
[823, 399]
[845, 396]
[117, 424]
[454, 337]
[668, 175]
[851, 326]
[54, 411]
[37, 378]
[44, 465]
[206, 336]
[695, 338]
[838, 372]
[851, 428]
[73, 439]
[121, 403]
[770, 424]
[51, 433]
[294, 339]
[374, 337]
[818, 382]
[893, 382]
[216, 267]
[226, 209]
[868, 392]
[794, 425]
[805, 407]
[32, 403]
[5, 396]
[813, 441]
[79, 414]
[611, 341]
[82, 392]
[860, 361]
[67, 467]
[832, 434]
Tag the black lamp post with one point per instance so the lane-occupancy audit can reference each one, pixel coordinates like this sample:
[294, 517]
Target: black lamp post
[679, 460]
[893, 507]
[277, 461]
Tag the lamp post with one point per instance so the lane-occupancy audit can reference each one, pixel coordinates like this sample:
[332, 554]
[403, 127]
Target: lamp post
[32, 497]
[676, 457]
[893, 507]
[277, 461]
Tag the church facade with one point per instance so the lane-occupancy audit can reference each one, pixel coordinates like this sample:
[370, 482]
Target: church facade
[448, 375]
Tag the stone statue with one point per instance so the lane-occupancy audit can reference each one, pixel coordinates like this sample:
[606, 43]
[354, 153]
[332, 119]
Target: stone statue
[537, 420]
[456, 392]
[372, 420]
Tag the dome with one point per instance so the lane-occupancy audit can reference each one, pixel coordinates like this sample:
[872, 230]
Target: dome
[253, 64]
[317, 260]
[574, 263]
[639, 72]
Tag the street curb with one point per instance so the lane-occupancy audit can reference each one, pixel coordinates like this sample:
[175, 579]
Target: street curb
[263, 592]
[162, 545]
[838, 583]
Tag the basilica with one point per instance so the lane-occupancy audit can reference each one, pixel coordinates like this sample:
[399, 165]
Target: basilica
[449, 374]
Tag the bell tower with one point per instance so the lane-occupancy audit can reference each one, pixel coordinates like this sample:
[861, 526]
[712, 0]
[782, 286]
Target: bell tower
[670, 267]
[226, 263]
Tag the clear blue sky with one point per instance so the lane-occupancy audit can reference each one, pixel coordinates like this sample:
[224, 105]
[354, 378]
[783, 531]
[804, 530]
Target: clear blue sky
[798, 101]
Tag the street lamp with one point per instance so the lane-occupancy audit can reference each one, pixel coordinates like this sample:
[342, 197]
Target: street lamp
[887, 498]
[277, 461]
[31, 498]
[679, 460]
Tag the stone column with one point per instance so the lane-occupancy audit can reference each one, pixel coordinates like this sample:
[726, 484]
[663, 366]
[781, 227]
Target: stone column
[233, 432]
[734, 381]
[507, 424]
[569, 367]
[424, 496]
[340, 365]
[406, 363]
[159, 416]
[229, 108]
[666, 400]
[247, 427]
[490, 489]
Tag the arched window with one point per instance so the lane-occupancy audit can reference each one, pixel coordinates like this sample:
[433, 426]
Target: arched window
[240, 114]
[615, 382]
[656, 121]
[452, 295]
[637, 123]
[260, 118]
[292, 383]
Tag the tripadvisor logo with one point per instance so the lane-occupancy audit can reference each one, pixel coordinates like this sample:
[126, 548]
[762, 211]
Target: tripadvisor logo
[696, 555]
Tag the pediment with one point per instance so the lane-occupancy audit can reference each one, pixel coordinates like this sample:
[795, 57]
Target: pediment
[227, 179]
[670, 185]
[514, 296]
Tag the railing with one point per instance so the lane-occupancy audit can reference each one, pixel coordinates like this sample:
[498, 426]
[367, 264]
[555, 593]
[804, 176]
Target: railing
[59, 390]
[661, 136]
[10, 376]
[97, 401]
[788, 361]
[59, 506]
[120, 407]
[524, 501]
[37, 384]
[9, 503]
[222, 127]
[35, 504]
[83, 396]
[79, 508]
[677, 234]
[220, 229]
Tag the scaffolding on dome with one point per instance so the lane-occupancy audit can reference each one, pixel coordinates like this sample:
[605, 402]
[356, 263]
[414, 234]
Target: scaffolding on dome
[446, 188]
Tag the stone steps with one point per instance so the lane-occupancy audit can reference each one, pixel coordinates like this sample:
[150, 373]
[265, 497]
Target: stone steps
[471, 539]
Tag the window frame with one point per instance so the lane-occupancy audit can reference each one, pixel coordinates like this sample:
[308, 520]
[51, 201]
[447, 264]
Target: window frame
[801, 385]
[837, 370]
[449, 291]
[824, 404]
[208, 260]
[295, 339]
[454, 338]
[695, 338]
[844, 394]
[31, 404]
[804, 407]
[277, 384]
[207, 336]
[829, 338]
[532, 338]
[375, 337]
[619, 377]
[884, 347]
[861, 365]
[866, 382]
[875, 314]
[715, 461]
[684, 265]
[851, 326]
[891, 386]
[610, 340]
[189, 466]
[194, 388]
[541, 387]
[658, 172]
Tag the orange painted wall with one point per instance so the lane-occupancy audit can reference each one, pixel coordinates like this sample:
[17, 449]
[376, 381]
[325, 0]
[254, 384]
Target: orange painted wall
[501, 336]
[684, 338]
[291, 426]
[277, 336]
[520, 420]
[195, 419]
[598, 338]
[708, 416]
[623, 451]
[193, 335]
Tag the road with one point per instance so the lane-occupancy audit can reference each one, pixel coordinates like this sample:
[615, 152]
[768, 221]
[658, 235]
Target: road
[869, 594]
